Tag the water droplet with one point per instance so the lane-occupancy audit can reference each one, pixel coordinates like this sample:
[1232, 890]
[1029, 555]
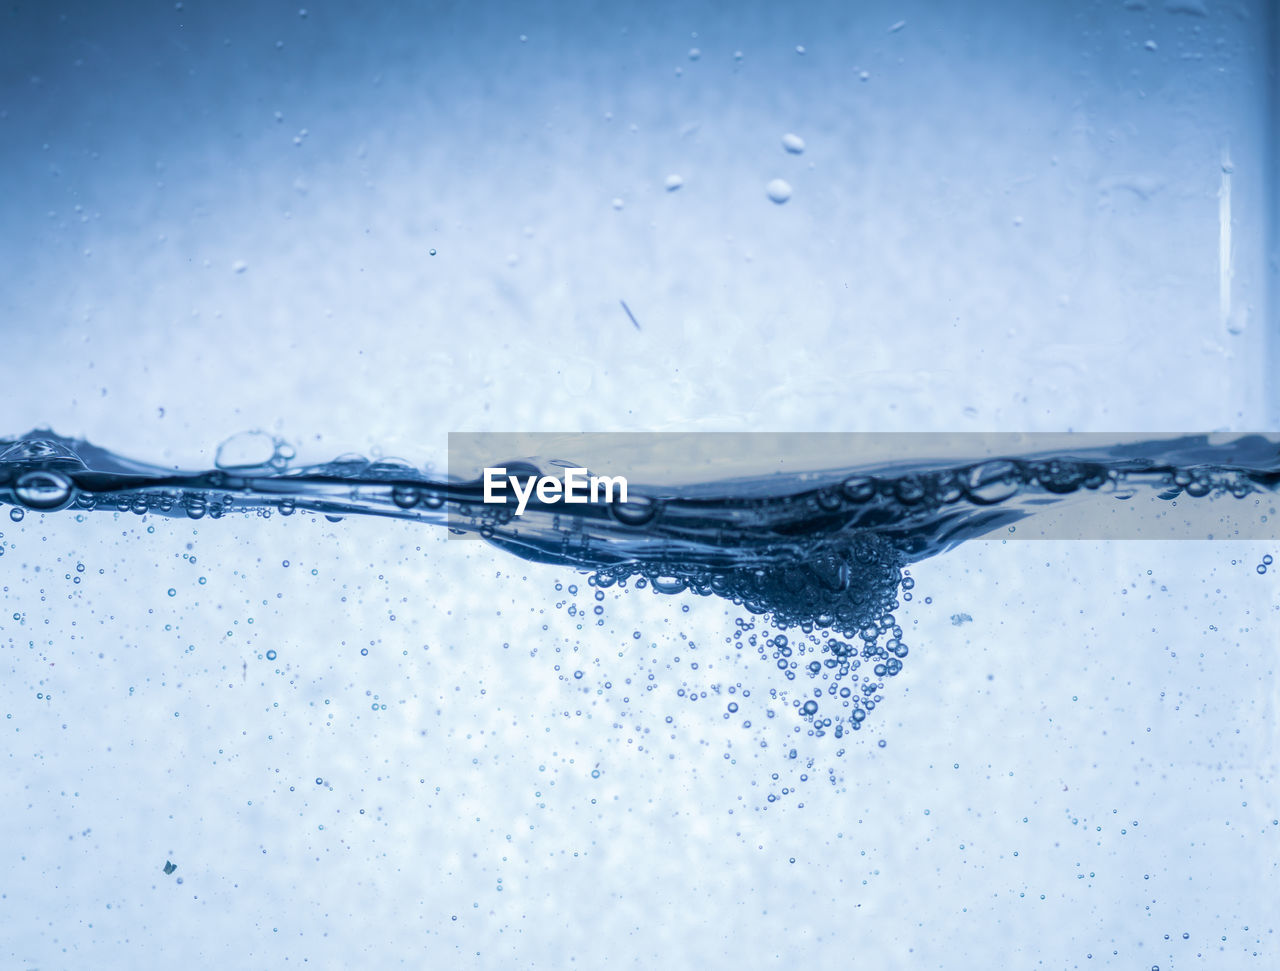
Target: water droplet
[43, 489]
[16, 514]
[271, 655]
[674, 182]
[778, 190]
[793, 143]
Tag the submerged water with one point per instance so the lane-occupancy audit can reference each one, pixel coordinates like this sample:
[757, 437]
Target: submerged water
[810, 689]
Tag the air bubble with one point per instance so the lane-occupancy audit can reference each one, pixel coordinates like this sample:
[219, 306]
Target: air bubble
[246, 450]
[992, 482]
[406, 497]
[829, 500]
[43, 489]
[636, 511]
[859, 488]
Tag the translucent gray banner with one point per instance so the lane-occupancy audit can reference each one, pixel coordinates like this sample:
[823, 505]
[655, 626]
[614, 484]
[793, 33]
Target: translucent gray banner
[942, 487]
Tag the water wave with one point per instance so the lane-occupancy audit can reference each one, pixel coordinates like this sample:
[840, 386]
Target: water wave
[823, 552]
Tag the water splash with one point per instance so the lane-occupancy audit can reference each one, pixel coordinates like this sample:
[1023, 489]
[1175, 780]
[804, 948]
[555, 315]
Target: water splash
[821, 552]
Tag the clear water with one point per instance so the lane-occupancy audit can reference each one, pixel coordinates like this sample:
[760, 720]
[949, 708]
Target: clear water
[279, 699]
[254, 650]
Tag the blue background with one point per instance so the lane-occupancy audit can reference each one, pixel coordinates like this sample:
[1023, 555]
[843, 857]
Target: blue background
[1007, 216]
